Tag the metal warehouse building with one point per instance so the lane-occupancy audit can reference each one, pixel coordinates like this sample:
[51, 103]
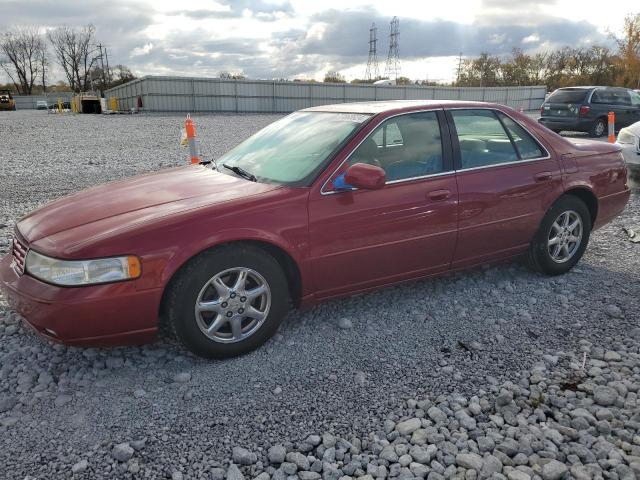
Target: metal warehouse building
[191, 94]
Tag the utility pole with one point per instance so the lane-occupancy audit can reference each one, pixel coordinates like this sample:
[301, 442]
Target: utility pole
[392, 69]
[106, 57]
[459, 69]
[372, 64]
[104, 80]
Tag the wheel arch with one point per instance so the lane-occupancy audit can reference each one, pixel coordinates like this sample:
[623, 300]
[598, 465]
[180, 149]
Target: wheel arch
[289, 266]
[588, 198]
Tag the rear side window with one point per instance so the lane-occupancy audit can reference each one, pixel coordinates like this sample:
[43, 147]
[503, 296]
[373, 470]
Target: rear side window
[569, 95]
[483, 141]
[635, 99]
[527, 147]
[621, 97]
[611, 96]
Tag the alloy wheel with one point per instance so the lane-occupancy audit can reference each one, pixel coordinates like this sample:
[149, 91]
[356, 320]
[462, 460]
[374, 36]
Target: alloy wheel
[565, 236]
[233, 305]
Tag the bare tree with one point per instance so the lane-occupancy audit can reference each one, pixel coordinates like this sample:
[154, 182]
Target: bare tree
[43, 60]
[23, 57]
[75, 51]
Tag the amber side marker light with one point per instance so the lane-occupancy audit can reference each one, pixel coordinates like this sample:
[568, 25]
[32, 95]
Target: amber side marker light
[135, 270]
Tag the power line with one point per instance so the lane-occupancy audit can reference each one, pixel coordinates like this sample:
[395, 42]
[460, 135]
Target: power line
[372, 64]
[392, 68]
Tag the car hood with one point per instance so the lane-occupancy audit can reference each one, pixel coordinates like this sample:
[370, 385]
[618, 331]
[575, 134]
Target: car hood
[141, 197]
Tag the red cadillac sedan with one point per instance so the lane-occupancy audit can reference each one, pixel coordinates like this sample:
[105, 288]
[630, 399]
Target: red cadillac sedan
[326, 202]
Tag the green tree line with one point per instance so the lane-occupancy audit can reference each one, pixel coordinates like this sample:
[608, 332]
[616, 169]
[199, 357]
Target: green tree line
[568, 66]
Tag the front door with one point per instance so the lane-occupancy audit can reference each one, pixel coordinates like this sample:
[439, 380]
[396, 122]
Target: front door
[506, 182]
[366, 238]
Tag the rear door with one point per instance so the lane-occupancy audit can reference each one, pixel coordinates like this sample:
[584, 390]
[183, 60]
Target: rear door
[506, 182]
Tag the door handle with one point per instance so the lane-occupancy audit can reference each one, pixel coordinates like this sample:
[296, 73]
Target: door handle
[543, 176]
[439, 195]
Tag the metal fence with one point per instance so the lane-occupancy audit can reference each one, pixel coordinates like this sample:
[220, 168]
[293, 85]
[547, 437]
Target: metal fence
[28, 102]
[186, 94]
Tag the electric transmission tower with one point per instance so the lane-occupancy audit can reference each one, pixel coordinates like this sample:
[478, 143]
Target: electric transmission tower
[372, 63]
[392, 69]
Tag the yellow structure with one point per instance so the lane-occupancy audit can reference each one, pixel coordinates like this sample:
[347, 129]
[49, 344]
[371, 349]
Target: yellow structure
[113, 104]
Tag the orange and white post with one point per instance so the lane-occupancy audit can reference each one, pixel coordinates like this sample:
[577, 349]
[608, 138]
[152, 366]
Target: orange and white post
[612, 127]
[190, 129]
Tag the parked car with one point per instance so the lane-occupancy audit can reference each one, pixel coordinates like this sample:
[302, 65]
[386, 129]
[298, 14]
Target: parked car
[41, 105]
[7, 102]
[327, 202]
[586, 109]
[629, 142]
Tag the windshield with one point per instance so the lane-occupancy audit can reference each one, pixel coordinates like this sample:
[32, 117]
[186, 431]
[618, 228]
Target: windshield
[568, 95]
[293, 149]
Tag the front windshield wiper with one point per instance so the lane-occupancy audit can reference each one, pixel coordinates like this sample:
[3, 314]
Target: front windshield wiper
[242, 172]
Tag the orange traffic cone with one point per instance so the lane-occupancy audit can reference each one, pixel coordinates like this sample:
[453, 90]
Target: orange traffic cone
[612, 127]
[191, 140]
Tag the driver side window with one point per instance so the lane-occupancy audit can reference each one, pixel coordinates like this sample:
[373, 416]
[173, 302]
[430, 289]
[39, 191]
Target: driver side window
[406, 146]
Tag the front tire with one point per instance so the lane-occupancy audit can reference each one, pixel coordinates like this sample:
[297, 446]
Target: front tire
[227, 301]
[561, 238]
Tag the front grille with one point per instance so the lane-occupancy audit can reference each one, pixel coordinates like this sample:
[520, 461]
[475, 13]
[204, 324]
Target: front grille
[19, 255]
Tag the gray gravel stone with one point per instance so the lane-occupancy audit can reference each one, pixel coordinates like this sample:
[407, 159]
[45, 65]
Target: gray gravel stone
[554, 470]
[277, 454]
[80, 466]
[234, 473]
[469, 460]
[299, 460]
[242, 456]
[408, 426]
[345, 323]
[604, 395]
[122, 452]
[182, 377]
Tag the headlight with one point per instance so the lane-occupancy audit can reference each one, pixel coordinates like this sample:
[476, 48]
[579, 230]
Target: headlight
[81, 272]
[627, 138]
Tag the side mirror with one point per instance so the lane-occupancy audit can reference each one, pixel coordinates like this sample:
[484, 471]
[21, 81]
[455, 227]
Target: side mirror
[361, 175]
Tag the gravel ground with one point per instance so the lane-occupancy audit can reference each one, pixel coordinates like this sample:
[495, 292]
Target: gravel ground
[472, 375]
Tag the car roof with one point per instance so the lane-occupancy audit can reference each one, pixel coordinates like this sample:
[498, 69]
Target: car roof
[590, 87]
[392, 105]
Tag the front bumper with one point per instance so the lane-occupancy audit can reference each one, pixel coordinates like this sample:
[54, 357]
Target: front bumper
[100, 315]
[574, 124]
[632, 159]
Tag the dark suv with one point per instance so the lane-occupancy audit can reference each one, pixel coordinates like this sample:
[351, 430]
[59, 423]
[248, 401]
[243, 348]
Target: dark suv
[585, 109]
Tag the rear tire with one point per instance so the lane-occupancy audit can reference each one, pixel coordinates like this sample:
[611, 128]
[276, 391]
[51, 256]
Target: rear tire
[562, 237]
[227, 301]
[598, 129]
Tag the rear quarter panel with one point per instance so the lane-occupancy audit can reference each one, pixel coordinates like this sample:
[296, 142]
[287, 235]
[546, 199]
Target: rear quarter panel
[600, 168]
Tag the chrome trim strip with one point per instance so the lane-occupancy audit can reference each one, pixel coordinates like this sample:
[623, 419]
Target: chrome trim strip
[439, 174]
[331, 192]
[518, 162]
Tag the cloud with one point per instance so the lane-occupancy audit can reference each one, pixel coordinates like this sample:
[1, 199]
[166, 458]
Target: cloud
[346, 35]
[144, 50]
[271, 39]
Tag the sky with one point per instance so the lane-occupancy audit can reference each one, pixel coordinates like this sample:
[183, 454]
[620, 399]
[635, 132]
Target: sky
[269, 39]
